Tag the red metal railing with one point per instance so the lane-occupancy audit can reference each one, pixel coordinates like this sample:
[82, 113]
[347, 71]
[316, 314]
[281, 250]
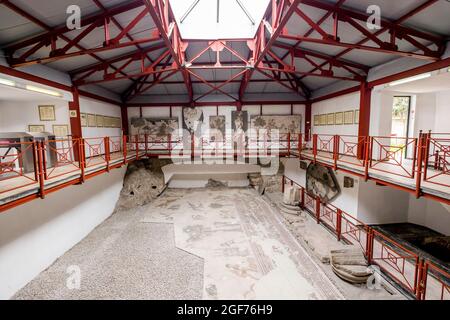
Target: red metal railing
[389, 155]
[421, 279]
[59, 157]
[437, 159]
[12, 160]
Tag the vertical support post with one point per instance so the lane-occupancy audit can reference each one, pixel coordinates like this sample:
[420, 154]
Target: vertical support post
[364, 115]
[39, 145]
[75, 120]
[283, 184]
[425, 155]
[369, 245]
[82, 158]
[107, 152]
[419, 152]
[368, 156]
[339, 224]
[315, 141]
[169, 144]
[124, 113]
[336, 151]
[421, 293]
[308, 112]
[318, 209]
[192, 146]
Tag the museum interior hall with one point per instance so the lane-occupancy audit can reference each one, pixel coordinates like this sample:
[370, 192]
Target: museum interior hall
[224, 150]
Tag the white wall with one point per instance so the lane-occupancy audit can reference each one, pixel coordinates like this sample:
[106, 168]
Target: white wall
[35, 234]
[15, 116]
[429, 213]
[340, 104]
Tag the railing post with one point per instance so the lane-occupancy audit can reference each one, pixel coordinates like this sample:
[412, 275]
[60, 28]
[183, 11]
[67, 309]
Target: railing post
[339, 224]
[81, 158]
[283, 183]
[369, 245]
[368, 155]
[124, 151]
[318, 209]
[35, 161]
[107, 153]
[41, 169]
[315, 147]
[419, 152]
[422, 277]
[426, 151]
[336, 151]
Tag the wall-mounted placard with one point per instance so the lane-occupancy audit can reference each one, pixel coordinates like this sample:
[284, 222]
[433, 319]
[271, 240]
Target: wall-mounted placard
[61, 130]
[348, 117]
[316, 120]
[36, 128]
[339, 118]
[83, 119]
[356, 116]
[330, 119]
[100, 121]
[91, 120]
[47, 113]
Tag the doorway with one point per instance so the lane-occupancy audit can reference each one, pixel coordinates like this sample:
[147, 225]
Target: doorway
[401, 116]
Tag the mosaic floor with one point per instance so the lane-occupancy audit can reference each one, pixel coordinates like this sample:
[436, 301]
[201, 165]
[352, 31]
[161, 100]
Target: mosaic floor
[247, 251]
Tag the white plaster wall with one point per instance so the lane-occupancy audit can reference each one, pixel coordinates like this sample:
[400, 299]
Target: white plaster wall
[442, 122]
[35, 234]
[15, 116]
[381, 205]
[340, 104]
[429, 213]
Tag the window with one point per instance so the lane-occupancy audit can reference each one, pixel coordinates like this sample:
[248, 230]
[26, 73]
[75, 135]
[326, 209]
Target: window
[218, 19]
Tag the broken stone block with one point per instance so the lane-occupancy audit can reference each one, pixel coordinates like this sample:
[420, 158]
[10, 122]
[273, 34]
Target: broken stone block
[350, 265]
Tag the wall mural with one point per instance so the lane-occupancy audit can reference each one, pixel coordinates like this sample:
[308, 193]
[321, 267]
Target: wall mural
[153, 126]
[284, 124]
[321, 181]
[217, 128]
[192, 119]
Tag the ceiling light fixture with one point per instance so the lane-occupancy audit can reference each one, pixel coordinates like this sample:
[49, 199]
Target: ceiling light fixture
[42, 90]
[411, 79]
[7, 82]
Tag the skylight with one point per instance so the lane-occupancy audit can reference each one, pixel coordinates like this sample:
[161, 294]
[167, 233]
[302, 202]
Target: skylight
[218, 19]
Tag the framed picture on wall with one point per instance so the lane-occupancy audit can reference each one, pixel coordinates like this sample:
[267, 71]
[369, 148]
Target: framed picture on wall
[107, 122]
[356, 116]
[83, 119]
[47, 113]
[91, 120]
[61, 130]
[339, 118]
[36, 128]
[323, 119]
[317, 120]
[100, 121]
[348, 117]
[330, 119]
[118, 122]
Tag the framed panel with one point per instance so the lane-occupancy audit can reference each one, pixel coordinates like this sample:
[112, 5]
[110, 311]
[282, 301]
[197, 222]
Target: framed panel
[83, 119]
[36, 128]
[91, 120]
[330, 119]
[100, 121]
[348, 117]
[61, 130]
[339, 118]
[317, 120]
[356, 116]
[47, 113]
[323, 119]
